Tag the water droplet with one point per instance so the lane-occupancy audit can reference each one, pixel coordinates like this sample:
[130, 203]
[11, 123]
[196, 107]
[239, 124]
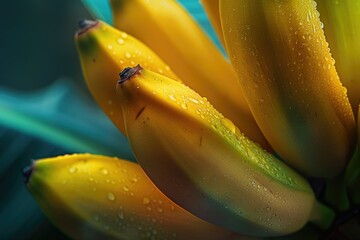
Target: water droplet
[229, 124]
[134, 180]
[128, 55]
[104, 171]
[126, 188]
[121, 215]
[146, 200]
[111, 196]
[72, 169]
[124, 35]
[120, 41]
[172, 97]
[160, 210]
[110, 46]
[193, 100]
[184, 105]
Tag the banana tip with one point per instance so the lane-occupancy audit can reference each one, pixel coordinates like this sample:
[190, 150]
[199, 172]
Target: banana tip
[26, 172]
[128, 72]
[84, 25]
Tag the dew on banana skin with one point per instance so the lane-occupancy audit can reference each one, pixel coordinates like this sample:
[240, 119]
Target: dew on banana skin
[124, 35]
[104, 171]
[120, 41]
[184, 106]
[72, 169]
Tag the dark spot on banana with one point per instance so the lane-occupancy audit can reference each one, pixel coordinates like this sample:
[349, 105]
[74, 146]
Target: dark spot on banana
[84, 25]
[139, 113]
[128, 72]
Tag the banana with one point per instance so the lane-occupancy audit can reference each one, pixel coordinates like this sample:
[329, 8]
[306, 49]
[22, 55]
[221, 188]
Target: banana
[353, 173]
[169, 30]
[342, 30]
[97, 197]
[104, 52]
[212, 10]
[201, 161]
[283, 63]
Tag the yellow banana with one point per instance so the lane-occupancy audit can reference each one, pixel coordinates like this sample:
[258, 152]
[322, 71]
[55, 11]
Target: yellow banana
[168, 29]
[212, 10]
[342, 30]
[97, 197]
[200, 160]
[288, 76]
[104, 52]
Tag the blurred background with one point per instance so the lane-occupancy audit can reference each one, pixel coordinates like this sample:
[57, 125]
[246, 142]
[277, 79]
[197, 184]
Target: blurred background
[45, 108]
[37, 43]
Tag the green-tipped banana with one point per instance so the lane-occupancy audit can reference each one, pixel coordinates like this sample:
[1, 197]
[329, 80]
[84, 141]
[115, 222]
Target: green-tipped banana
[97, 197]
[172, 33]
[200, 160]
[104, 52]
[279, 51]
[341, 20]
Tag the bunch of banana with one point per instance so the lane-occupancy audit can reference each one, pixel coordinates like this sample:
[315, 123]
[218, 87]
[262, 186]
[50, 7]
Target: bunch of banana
[104, 52]
[169, 30]
[97, 197]
[182, 142]
[199, 159]
[285, 68]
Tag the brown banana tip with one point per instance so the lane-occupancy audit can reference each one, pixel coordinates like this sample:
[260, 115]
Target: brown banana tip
[84, 25]
[128, 72]
[27, 171]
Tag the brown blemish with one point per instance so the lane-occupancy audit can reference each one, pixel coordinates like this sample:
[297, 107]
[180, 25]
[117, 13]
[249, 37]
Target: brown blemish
[85, 25]
[139, 113]
[129, 72]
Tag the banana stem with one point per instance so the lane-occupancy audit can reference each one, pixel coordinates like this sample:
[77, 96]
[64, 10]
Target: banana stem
[322, 216]
[336, 194]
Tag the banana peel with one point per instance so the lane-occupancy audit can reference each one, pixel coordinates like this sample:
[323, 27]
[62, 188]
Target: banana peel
[201, 161]
[169, 30]
[342, 30]
[104, 51]
[285, 68]
[97, 197]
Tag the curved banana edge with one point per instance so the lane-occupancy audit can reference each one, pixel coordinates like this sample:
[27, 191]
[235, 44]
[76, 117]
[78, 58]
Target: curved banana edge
[211, 8]
[279, 51]
[201, 161]
[104, 52]
[169, 30]
[97, 197]
[342, 30]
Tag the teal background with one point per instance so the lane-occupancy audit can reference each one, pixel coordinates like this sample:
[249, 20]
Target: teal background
[45, 108]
